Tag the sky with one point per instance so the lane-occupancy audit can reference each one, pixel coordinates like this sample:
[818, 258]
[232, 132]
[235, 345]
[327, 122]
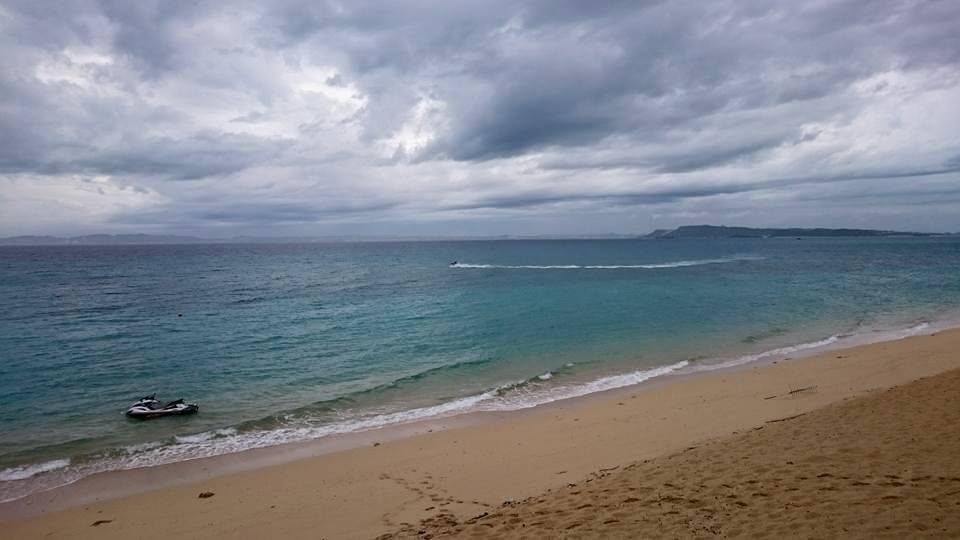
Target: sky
[300, 118]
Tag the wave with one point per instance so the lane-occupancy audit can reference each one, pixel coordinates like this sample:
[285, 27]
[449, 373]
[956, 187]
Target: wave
[848, 340]
[568, 391]
[674, 264]
[206, 436]
[333, 404]
[297, 426]
[770, 354]
[250, 300]
[912, 331]
[522, 394]
[23, 472]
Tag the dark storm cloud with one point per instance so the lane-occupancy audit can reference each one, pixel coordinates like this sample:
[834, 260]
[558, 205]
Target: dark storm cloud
[253, 213]
[57, 127]
[519, 79]
[620, 199]
[654, 196]
[189, 158]
[662, 69]
[300, 111]
[670, 161]
[198, 156]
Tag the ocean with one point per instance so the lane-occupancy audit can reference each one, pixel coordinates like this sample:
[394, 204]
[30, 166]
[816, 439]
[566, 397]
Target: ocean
[291, 342]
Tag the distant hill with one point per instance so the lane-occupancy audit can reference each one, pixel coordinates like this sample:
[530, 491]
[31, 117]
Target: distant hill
[687, 231]
[100, 240]
[719, 231]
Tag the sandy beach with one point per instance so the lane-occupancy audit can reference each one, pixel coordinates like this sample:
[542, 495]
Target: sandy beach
[322, 269]
[881, 465]
[860, 442]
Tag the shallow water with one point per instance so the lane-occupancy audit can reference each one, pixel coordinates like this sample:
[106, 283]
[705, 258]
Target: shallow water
[290, 342]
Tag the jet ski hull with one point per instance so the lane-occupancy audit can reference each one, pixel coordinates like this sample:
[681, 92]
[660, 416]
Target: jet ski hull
[144, 413]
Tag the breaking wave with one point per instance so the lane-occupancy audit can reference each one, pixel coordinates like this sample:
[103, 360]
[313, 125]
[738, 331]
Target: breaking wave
[553, 385]
[23, 472]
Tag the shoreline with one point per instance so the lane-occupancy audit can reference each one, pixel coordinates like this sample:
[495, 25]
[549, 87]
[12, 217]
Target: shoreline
[694, 407]
[206, 467]
[287, 451]
[884, 464]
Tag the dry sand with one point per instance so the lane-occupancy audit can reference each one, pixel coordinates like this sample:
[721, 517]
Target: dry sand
[883, 465]
[805, 463]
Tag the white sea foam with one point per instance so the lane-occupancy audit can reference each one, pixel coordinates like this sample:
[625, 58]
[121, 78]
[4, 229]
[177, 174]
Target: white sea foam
[206, 436]
[863, 337]
[506, 397]
[781, 352]
[512, 396]
[674, 264]
[534, 398]
[916, 329]
[23, 472]
[226, 441]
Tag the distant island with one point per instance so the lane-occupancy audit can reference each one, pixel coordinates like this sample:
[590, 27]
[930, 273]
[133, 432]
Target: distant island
[686, 231]
[719, 231]
[99, 240]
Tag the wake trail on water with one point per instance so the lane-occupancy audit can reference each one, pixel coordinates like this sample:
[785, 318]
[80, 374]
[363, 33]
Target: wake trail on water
[650, 266]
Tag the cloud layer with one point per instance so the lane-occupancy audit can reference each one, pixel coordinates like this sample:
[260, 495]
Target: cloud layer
[298, 117]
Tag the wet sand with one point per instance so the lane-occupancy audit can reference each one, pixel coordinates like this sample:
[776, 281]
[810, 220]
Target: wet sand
[885, 465]
[812, 447]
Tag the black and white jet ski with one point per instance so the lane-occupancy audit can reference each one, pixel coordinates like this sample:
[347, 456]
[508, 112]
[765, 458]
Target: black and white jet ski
[149, 407]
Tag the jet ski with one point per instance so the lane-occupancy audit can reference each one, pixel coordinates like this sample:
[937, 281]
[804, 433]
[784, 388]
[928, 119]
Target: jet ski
[149, 407]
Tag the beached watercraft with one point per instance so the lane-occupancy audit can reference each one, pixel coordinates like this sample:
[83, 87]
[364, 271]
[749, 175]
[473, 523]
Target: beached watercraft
[149, 407]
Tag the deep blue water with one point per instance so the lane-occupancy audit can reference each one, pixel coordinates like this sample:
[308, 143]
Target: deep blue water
[289, 342]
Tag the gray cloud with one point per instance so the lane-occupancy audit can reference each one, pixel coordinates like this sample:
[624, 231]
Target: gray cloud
[660, 70]
[400, 115]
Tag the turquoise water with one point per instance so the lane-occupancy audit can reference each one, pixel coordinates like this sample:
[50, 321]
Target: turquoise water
[282, 343]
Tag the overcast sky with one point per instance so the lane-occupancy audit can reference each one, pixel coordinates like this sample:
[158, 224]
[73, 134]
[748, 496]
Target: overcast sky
[394, 117]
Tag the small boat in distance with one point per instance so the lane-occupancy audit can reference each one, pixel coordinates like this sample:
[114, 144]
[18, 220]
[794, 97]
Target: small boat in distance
[149, 407]
[454, 263]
